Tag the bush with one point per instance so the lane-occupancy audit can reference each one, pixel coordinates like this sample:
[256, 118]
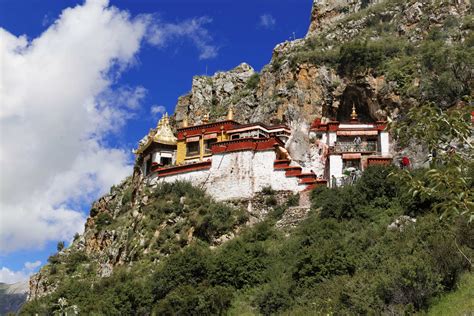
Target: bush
[253, 81]
[127, 196]
[189, 267]
[268, 190]
[74, 259]
[275, 298]
[271, 201]
[218, 220]
[239, 265]
[102, 220]
[60, 246]
[188, 300]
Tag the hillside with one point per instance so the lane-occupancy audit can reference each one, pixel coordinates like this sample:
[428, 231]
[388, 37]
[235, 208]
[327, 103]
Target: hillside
[12, 296]
[346, 257]
[392, 243]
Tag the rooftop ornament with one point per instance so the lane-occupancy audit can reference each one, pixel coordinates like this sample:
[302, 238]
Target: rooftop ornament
[230, 114]
[161, 135]
[205, 119]
[354, 117]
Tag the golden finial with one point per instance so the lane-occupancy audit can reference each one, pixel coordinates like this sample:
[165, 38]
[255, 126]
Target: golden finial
[205, 119]
[230, 114]
[185, 121]
[354, 113]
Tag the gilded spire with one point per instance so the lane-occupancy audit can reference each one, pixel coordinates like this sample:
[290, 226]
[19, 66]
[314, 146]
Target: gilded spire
[164, 134]
[230, 114]
[205, 119]
[354, 113]
[185, 121]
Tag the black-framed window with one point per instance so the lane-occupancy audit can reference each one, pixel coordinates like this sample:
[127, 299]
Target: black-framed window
[192, 149]
[208, 145]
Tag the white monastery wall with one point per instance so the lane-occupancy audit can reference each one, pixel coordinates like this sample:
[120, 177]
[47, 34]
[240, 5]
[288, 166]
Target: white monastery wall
[237, 175]
[384, 143]
[332, 138]
[197, 177]
[335, 166]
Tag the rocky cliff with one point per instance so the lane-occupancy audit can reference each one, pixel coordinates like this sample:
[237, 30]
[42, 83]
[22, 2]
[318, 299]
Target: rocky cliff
[307, 78]
[381, 56]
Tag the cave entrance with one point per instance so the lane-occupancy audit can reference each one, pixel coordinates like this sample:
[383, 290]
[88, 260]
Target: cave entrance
[355, 96]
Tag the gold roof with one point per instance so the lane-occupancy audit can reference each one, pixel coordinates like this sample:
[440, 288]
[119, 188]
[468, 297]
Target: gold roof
[161, 135]
[164, 134]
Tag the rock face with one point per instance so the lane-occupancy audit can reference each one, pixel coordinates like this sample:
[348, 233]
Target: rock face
[326, 12]
[294, 93]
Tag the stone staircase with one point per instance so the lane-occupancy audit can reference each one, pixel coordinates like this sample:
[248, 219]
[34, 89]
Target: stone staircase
[295, 214]
[309, 180]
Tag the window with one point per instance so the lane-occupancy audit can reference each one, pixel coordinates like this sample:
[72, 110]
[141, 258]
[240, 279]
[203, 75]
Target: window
[166, 161]
[208, 145]
[192, 149]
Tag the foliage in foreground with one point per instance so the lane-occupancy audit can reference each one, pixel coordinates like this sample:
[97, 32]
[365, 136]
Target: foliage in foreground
[341, 260]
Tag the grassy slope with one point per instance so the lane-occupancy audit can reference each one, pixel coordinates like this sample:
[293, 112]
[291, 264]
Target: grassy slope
[459, 302]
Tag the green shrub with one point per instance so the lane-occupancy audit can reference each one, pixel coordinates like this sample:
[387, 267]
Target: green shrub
[189, 267]
[127, 196]
[239, 265]
[253, 81]
[188, 300]
[273, 299]
[74, 259]
[102, 220]
[271, 201]
[268, 190]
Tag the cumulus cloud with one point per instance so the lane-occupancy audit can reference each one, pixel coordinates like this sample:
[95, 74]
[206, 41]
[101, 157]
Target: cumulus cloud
[194, 29]
[8, 276]
[267, 21]
[59, 103]
[157, 110]
[57, 107]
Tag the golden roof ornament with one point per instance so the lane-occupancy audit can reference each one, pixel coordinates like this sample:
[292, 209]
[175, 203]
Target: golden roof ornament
[205, 119]
[164, 134]
[185, 121]
[230, 114]
[354, 113]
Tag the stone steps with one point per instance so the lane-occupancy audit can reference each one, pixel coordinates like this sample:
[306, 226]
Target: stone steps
[307, 179]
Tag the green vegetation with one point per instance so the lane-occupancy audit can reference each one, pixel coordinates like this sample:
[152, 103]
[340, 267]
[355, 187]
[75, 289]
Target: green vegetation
[459, 302]
[436, 69]
[448, 183]
[343, 260]
[253, 81]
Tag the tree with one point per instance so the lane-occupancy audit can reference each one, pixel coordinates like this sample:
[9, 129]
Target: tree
[60, 246]
[448, 136]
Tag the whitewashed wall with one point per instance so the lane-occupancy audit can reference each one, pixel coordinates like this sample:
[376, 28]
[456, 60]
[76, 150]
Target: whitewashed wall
[238, 175]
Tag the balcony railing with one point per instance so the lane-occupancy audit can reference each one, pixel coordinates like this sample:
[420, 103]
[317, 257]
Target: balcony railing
[349, 147]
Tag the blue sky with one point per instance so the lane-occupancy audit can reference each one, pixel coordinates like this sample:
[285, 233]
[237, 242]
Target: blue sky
[164, 44]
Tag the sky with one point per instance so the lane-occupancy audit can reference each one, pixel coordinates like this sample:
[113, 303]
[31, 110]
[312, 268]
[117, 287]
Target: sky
[82, 81]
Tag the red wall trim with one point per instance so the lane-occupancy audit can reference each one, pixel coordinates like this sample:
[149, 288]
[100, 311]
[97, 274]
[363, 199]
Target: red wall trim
[168, 171]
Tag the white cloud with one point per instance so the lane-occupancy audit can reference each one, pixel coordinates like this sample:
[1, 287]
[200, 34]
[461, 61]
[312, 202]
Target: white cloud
[267, 21]
[8, 276]
[130, 97]
[156, 110]
[59, 101]
[57, 107]
[162, 33]
[32, 265]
